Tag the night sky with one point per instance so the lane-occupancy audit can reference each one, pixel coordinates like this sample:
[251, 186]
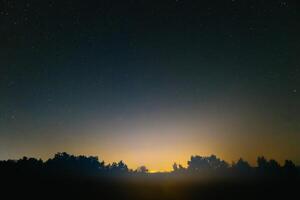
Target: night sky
[150, 82]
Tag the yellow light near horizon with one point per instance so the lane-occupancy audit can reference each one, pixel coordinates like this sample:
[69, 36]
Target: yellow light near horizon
[158, 146]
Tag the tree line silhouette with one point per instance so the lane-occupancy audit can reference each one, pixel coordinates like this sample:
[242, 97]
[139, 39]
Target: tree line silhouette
[66, 165]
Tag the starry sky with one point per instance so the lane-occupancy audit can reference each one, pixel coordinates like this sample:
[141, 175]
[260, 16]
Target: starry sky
[150, 82]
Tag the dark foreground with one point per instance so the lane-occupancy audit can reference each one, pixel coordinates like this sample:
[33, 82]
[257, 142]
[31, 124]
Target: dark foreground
[79, 177]
[149, 187]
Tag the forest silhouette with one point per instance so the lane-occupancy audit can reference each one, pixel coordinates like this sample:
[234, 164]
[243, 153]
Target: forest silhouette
[81, 176]
[64, 165]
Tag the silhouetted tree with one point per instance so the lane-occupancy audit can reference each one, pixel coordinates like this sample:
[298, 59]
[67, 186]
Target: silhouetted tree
[274, 165]
[199, 163]
[177, 168]
[241, 168]
[241, 165]
[74, 165]
[269, 168]
[262, 162]
[66, 165]
[142, 169]
[290, 169]
[118, 168]
[122, 166]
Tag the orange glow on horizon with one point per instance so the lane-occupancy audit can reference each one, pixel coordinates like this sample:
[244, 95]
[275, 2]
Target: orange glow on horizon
[158, 145]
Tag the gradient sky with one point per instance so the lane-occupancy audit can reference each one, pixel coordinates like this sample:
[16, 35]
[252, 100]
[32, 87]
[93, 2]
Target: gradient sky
[150, 82]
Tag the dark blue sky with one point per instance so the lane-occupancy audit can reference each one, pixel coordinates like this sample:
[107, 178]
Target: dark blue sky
[92, 70]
